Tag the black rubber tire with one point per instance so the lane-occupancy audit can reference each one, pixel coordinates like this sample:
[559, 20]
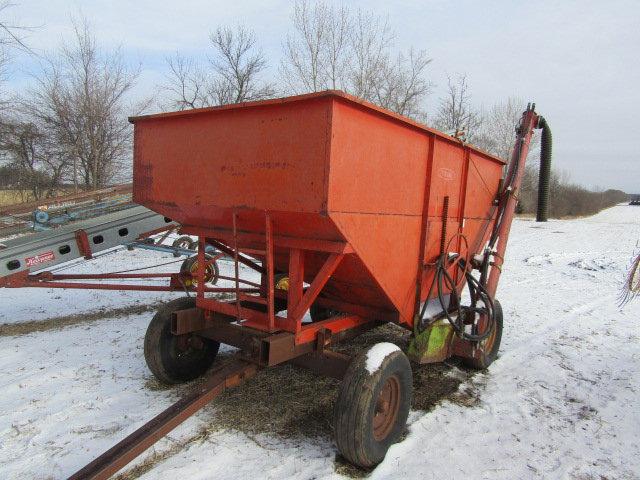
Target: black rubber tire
[487, 358]
[356, 405]
[164, 358]
[319, 313]
[185, 241]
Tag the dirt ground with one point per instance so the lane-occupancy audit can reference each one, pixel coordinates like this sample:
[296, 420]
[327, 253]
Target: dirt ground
[294, 403]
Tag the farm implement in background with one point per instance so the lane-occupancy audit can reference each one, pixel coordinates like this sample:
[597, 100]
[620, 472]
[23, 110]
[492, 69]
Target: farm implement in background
[52, 218]
[345, 210]
[631, 285]
[48, 213]
[135, 227]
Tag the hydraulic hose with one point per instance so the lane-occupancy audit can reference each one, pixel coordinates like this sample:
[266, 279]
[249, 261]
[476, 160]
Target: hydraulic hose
[545, 171]
[481, 290]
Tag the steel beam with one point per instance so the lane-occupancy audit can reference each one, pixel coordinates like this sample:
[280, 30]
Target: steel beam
[328, 363]
[125, 451]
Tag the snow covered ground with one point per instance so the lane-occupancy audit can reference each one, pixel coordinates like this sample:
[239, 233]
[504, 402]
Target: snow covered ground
[561, 401]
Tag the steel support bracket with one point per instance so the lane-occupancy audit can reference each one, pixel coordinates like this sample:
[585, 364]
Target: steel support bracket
[328, 363]
[187, 321]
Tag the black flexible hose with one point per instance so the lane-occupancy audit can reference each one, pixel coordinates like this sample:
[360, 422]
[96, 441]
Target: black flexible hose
[545, 171]
[442, 281]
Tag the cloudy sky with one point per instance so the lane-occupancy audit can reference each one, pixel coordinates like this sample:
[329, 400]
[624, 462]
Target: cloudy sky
[578, 60]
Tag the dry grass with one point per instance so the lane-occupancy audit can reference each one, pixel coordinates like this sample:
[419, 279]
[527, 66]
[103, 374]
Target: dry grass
[286, 401]
[56, 323]
[11, 196]
[290, 401]
[7, 197]
[294, 404]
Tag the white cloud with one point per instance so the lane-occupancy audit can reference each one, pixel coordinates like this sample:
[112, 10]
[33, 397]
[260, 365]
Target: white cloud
[576, 59]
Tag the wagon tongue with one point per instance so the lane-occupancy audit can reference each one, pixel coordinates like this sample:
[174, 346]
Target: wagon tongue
[126, 450]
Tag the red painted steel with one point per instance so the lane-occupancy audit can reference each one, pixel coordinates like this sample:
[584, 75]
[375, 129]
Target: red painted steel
[296, 283]
[270, 279]
[84, 246]
[325, 167]
[520, 151]
[351, 199]
[309, 332]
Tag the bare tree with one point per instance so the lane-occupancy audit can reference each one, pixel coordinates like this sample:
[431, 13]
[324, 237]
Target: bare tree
[38, 165]
[238, 64]
[231, 76]
[402, 85]
[497, 133]
[4, 60]
[11, 34]
[333, 48]
[11, 37]
[456, 115]
[79, 102]
[303, 70]
[14, 154]
[187, 84]
[336, 63]
[370, 42]
[315, 53]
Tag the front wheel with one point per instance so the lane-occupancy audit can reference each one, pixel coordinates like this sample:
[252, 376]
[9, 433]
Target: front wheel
[176, 358]
[373, 404]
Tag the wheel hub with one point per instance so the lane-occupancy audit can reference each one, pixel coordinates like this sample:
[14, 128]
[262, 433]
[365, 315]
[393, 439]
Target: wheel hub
[187, 343]
[386, 408]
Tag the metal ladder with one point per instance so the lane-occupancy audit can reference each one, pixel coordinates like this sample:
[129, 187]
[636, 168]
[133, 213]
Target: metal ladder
[267, 254]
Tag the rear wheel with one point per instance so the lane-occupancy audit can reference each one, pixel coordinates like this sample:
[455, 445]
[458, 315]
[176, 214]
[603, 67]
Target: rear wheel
[490, 346]
[319, 313]
[373, 404]
[176, 358]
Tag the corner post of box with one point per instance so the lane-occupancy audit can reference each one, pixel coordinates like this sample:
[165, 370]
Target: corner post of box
[424, 224]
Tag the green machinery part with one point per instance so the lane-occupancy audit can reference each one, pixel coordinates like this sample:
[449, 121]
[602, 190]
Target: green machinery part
[432, 344]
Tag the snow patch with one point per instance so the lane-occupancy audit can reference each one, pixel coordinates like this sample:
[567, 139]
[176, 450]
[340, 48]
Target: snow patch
[377, 354]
